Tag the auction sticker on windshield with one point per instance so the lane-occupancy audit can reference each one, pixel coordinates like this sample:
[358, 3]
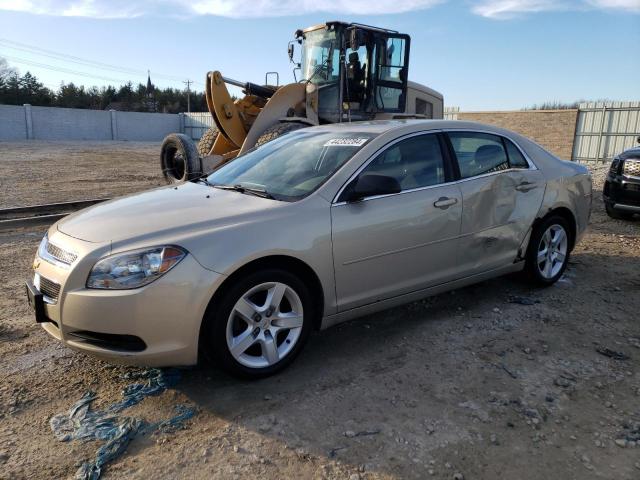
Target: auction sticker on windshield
[346, 142]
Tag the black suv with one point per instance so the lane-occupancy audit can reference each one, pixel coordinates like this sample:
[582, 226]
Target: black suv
[622, 187]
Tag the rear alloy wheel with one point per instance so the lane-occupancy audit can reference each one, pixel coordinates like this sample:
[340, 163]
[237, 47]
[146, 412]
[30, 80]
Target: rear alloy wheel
[260, 323]
[552, 251]
[548, 253]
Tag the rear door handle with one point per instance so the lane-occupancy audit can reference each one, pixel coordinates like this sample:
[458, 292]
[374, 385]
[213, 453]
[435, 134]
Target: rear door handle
[445, 202]
[526, 186]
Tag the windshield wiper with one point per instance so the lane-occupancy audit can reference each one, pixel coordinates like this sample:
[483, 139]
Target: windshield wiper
[258, 192]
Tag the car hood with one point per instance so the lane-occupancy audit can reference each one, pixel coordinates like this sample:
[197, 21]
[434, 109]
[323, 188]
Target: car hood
[188, 206]
[631, 153]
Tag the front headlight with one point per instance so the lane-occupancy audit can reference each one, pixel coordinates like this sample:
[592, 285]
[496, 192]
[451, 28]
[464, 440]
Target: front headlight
[614, 168]
[134, 269]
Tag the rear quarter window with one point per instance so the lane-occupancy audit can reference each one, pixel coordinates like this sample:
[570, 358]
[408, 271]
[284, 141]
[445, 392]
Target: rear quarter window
[516, 159]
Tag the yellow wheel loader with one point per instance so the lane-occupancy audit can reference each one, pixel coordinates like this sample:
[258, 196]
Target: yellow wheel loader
[349, 72]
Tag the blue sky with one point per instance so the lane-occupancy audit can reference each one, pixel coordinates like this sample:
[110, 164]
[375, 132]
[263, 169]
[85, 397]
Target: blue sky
[482, 55]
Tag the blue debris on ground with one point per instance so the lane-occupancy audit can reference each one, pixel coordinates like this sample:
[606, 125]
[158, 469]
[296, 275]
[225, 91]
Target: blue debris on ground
[81, 423]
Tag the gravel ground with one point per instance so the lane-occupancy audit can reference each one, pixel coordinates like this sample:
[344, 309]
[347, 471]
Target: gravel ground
[467, 384]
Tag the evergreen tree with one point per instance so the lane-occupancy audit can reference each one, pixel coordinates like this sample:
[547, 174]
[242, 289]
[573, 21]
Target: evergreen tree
[34, 92]
[18, 90]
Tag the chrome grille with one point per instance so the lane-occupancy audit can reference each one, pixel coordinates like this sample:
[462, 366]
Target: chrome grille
[49, 288]
[632, 168]
[60, 254]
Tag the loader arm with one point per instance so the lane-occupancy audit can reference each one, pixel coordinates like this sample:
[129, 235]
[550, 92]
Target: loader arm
[241, 123]
[225, 114]
[297, 98]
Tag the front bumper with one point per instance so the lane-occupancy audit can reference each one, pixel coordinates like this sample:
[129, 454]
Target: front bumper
[622, 193]
[155, 325]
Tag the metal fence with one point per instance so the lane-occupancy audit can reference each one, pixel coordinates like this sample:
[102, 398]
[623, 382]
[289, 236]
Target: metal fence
[451, 113]
[197, 123]
[604, 129]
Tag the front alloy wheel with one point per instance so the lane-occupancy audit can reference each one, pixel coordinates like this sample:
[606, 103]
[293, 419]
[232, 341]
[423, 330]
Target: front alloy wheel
[256, 326]
[265, 325]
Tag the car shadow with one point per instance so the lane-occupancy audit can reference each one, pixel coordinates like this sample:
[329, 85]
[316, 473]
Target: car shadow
[400, 374]
[347, 379]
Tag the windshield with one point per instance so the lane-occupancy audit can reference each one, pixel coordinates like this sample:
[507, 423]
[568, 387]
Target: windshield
[321, 57]
[291, 167]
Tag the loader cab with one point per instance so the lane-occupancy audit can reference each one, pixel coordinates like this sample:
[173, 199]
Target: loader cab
[360, 71]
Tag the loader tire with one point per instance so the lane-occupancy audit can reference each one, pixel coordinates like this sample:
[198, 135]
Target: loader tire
[278, 130]
[179, 158]
[206, 141]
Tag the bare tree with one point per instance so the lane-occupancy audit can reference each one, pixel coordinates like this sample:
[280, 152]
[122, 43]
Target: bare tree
[5, 70]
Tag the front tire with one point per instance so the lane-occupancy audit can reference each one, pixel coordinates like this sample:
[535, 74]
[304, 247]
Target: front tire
[548, 252]
[259, 324]
[278, 130]
[205, 144]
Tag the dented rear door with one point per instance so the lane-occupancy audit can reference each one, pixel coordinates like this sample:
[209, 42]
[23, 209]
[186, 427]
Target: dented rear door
[499, 201]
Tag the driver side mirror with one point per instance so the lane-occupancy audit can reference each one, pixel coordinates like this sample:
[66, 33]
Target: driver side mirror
[370, 185]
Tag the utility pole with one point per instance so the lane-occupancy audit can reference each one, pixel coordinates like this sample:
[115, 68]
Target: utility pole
[188, 84]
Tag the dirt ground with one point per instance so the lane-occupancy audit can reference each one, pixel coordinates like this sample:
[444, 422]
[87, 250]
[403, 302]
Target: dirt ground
[37, 172]
[468, 384]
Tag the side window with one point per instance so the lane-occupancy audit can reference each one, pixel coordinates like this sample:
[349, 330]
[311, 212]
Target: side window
[392, 60]
[391, 73]
[424, 108]
[478, 153]
[415, 162]
[357, 74]
[516, 159]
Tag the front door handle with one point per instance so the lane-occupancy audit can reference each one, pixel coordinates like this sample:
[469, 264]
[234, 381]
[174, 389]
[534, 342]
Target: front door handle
[445, 202]
[526, 186]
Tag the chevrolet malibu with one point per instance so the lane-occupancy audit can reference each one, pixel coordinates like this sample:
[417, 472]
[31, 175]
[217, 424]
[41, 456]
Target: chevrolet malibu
[319, 226]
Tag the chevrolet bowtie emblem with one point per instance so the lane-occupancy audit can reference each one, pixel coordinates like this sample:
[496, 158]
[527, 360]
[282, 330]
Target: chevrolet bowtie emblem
[36, 264]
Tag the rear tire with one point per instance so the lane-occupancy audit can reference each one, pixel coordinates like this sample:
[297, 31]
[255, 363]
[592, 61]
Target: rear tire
[613, 213]
[549, 250]
[179, 158]
[206, 141]
[243, 313]
[278, 130]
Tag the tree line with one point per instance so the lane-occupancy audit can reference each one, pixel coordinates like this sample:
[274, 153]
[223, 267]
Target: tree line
[16, 89]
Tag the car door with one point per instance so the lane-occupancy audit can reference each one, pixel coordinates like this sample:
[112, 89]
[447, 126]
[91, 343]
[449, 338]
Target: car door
[501, 195]
[388, 245]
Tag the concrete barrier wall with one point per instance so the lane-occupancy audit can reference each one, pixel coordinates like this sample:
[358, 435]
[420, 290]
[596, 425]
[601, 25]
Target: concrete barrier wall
[70, 124]
[145, 126]
[12, 123]
[51, 123]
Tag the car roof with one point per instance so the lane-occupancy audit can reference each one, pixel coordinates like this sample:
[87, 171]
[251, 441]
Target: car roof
[384, 126]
